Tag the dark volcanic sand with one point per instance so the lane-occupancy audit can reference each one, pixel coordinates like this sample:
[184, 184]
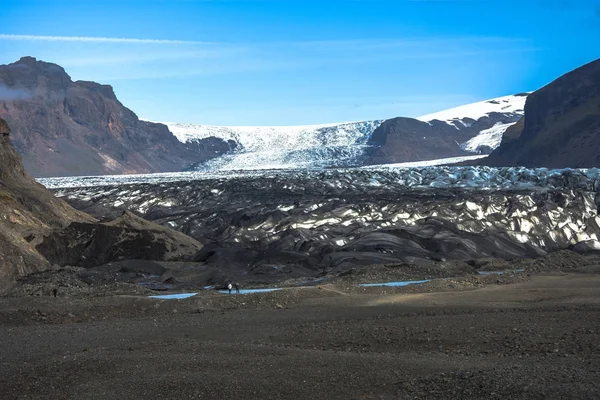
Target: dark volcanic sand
[538, 338]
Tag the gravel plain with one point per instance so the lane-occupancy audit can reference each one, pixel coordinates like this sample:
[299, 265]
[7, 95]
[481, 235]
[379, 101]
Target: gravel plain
[536, 337]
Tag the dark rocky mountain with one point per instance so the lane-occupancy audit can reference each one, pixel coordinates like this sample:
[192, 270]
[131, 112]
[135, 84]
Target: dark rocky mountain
[561, 127]
[65, 128]
[428, 138]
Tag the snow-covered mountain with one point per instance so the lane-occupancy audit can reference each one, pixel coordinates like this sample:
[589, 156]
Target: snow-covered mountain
[513, 104]
[477, 128]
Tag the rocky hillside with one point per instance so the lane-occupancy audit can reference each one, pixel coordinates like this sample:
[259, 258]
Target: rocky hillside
[38, 230]
[561, 127]
[64, 128]
[407, 139]
[27, 212]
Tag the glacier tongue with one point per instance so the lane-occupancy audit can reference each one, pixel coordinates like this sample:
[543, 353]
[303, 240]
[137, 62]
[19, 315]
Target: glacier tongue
[285, 146]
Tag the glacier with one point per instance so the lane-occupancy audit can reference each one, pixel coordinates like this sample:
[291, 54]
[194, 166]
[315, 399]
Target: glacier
[280, 222]
[489, 138]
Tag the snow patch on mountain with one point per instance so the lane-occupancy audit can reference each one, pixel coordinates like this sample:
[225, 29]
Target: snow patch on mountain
[464, 116]
[514, 104]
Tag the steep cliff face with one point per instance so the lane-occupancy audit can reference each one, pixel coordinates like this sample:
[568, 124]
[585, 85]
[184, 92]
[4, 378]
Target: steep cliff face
[67, 128]
[27, 212]
[561, 127]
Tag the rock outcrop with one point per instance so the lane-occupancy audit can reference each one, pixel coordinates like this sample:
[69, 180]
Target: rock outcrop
[128, 237]
[561, 127]
[65, 128]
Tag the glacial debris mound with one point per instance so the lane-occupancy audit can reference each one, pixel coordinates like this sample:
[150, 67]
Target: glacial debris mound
[39, 231]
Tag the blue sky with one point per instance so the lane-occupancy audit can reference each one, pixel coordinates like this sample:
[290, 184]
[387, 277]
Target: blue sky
[288, 62]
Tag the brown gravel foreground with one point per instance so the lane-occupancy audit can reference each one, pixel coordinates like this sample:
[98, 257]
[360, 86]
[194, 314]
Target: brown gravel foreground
[535, 339]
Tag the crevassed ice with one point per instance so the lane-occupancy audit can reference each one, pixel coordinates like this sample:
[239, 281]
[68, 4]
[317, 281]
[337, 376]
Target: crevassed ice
[383, 176]
[283, 146]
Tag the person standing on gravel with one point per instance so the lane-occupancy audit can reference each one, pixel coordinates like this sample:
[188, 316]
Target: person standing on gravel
[229, 287]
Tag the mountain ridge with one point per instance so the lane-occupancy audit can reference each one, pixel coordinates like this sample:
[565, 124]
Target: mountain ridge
[65, 127]
[355, 143]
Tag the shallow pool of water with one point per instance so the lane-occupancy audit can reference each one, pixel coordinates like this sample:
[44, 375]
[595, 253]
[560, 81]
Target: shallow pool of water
[394, 284]
[499, 272]
[249, 291]
[180, 296]
[177, 296]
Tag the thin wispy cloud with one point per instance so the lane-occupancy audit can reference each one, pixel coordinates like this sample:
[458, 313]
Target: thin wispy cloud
[407, 43]
[112, 59]
[93, 39]
[303, 61]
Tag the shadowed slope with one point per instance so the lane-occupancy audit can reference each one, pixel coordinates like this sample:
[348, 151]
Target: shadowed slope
[561, 127]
